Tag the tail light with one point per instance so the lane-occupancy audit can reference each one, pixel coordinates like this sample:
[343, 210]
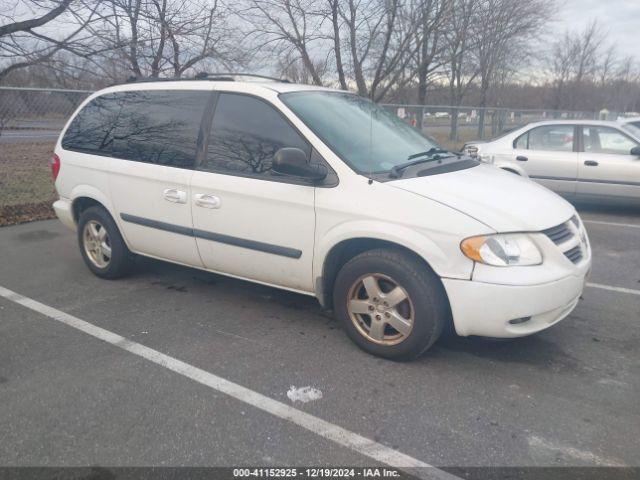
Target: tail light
[54, 163]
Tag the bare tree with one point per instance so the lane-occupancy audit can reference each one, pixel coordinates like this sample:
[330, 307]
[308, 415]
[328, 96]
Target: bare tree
[28, 39]
[625, 86]
[574, 62]
[378, 35]
[502, 33]
[462, 69]
[289, 29]
[429, 37]
[156, 38]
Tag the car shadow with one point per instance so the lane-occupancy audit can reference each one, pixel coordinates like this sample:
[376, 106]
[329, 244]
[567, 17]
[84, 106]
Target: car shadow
[534, 350]
[182, 279]
[613, 209]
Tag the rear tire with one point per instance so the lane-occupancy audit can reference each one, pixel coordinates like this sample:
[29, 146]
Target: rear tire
[101, 244]
[390, 304]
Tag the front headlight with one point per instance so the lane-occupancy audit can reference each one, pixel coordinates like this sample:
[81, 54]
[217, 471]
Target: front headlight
[502, 250]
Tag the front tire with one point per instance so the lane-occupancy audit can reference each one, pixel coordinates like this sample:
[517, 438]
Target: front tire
[390, 304]
[101, 244]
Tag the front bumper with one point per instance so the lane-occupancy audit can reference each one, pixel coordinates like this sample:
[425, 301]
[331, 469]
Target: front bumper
[485, 309]
[64, 212]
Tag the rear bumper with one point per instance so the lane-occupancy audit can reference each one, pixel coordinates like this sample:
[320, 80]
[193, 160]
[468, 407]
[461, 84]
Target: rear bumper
[485, 309]
[64, 212]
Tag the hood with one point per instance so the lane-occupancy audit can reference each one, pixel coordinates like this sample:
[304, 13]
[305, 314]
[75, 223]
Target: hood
[501, 200]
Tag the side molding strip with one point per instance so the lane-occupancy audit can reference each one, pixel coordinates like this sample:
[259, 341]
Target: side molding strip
[216, 237]
[586, 180]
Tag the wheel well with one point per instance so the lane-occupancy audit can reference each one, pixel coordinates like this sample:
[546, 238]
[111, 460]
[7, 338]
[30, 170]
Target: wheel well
[80, 204]
[345, 251]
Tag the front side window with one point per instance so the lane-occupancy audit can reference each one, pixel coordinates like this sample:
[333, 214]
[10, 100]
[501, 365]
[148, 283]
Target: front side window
[551, 138]
[606, 140]
[364, 135]
[521, 142]
[92, 129]
[246, 132]
[160, 126]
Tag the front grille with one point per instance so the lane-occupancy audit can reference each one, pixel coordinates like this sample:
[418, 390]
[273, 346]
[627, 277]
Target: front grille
[559, 234]
[574, 254]
[575, 221]
[567, 237]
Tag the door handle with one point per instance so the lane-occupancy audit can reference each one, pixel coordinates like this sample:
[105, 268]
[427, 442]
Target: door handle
[174, 195]
[591, 163]
[521, 158]
[206, 200]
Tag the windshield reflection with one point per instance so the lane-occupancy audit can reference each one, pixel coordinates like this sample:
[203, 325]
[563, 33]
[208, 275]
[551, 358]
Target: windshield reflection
[366, 136]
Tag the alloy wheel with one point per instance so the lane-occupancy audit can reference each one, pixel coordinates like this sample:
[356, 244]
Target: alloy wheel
[380, 309]
[96, 242]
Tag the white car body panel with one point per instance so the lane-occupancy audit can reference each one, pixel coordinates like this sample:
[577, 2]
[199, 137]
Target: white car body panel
[274, 213]
[511, 204]
[542, 165]
[602, 180]
[429, 215]
[137, 190]
[357, 209]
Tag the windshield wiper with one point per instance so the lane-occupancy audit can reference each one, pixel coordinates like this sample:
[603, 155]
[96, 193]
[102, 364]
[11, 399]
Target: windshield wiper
[430, 152]
[433, 154]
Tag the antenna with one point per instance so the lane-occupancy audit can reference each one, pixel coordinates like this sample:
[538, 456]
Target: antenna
[373, 106]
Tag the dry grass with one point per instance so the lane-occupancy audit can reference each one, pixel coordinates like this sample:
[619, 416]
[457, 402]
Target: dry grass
[464, 135]
[26, 188]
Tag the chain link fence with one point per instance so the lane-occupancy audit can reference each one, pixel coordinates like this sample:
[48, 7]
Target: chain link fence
[453, 126]
[31, 119]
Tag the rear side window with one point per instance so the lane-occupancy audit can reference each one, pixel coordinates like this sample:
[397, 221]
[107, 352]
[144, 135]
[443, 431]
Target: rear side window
[606, 140]
[160, 126]
[93, 127]
[245, 135]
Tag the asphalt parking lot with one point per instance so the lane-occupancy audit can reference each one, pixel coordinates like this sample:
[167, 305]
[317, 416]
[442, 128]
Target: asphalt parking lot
[565, 397]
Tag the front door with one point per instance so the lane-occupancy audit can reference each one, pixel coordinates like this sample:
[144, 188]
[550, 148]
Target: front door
[548, 155]
[248, 221]
[154, 152]
[606, 166]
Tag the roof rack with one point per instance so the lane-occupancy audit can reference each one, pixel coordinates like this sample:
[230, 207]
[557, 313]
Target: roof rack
[224, 77]
[230, 77]
[133, 79]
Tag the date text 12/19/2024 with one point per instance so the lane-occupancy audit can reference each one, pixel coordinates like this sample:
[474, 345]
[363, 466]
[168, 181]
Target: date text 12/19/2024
[317, 472]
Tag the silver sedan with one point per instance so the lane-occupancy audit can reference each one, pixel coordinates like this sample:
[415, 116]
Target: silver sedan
[576, 158]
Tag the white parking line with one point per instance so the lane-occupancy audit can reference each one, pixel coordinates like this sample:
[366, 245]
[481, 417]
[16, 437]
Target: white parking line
[612, 224]
[614, 289]
[327, 430]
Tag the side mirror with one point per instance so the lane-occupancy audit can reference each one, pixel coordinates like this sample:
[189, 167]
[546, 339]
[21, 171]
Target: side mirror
[294, 162]
[635, 151]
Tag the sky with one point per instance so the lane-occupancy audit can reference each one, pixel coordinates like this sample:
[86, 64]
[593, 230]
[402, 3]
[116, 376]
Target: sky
[620, 20]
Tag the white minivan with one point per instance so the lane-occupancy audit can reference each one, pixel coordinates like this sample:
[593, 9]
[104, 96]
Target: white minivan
[324, 193]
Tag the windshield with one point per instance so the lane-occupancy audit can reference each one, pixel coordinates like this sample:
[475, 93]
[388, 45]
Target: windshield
[367, 137]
